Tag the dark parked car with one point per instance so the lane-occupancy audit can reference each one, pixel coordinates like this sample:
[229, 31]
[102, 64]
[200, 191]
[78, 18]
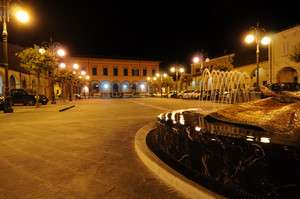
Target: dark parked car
[2, 101]
[269, 89]
[278, 87]
[26, 97]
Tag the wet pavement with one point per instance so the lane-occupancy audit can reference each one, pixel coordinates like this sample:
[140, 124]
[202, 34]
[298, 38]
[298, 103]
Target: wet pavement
[86, 151]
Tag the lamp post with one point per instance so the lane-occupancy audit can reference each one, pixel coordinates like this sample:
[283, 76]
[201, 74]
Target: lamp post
[177, 68]
[150, 83]
[257, 34]
[161, 75]
[75, 67]
[23, 17]
[86, 77]
[55, 48]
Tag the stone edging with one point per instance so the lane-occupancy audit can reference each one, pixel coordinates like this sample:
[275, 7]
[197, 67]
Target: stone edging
[166, 173]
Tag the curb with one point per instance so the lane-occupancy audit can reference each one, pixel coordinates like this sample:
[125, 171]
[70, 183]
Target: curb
[166, 173]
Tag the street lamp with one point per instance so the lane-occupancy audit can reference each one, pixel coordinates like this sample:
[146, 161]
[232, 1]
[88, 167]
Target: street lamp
[177, 68]
[201, 57]
[23, 17]
[55, 48]
[150, 83]
[161, 75]
[75, 67]
[257, 34]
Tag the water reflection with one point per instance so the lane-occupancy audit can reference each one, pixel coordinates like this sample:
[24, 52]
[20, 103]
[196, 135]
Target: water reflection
[247, 158]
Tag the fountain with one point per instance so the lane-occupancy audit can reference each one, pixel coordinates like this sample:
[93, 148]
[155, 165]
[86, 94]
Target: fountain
[244, 150]
[227, 87]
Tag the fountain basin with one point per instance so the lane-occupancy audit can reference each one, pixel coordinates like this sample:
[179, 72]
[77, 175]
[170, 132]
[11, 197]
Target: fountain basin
[236, 161]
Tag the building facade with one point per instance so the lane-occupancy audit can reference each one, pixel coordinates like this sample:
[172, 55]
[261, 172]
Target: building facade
[274, 65]
[114, 75]
[18, 77]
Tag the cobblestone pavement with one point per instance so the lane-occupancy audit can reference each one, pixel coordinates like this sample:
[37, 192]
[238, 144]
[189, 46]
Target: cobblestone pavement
[83, 152]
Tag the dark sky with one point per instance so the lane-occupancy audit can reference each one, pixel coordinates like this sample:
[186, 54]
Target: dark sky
[160, 30]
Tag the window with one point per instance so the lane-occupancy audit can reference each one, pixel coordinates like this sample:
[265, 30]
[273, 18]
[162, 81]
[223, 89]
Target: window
[105, 72]
[94, 70]
[115, 71]
[197, 70]
[135, 72]
[153, 72]
[125, 71]
[144, 72]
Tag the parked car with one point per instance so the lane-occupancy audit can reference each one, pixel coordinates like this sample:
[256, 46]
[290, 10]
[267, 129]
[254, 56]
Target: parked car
[187, 94]
[172, 94]
[180, 94]
[196, 94]
[279, 87]
[2, 101]
[27, 97]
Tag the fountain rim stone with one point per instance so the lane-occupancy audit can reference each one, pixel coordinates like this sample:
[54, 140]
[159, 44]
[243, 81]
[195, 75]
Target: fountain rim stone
[165, 172]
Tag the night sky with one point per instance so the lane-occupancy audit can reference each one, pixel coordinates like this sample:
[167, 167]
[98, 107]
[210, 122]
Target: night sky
[168, 31]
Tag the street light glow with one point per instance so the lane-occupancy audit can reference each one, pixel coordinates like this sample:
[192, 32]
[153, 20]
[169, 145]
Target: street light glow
[172, 69]
[62, 65]
[265, 40]
[22, 16]
[75, 66]
[42, 50]
[105, 86]
[249, 38]
[196, 60]
[181, 70]
[61, 52]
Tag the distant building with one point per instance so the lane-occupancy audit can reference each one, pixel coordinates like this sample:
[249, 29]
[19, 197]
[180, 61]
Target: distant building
[115, 75]
[274, 65]
[106, 75]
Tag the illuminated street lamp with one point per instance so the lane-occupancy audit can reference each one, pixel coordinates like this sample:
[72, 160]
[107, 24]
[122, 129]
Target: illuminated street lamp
[23, 17]
[161, 75]
[257, 34]
[150, 83]
[55, 48]
[201, 57]
[177, 68]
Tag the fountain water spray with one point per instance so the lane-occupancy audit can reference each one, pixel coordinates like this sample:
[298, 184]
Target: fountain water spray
[227, 87]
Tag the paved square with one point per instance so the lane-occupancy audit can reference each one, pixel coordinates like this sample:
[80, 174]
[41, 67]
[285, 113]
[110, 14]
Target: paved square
[84, 152]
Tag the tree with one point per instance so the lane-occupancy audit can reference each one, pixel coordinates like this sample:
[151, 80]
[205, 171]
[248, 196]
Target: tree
[154, 84]
[224, 66]
[186, 78]
[63, 75]
[39, 62]
[167, 82]
[294, 56]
